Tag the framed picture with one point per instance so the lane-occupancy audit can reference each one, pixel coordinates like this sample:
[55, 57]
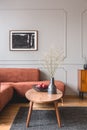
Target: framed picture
[23, 40]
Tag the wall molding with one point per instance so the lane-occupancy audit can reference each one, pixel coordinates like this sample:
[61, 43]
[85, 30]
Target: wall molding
[82, 48]
[44, 9]
[26, 9]
[27, 62]
[65, 75]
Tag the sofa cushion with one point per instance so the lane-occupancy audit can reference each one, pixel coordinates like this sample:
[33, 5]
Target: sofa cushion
[22, 87]
[5, 85]
[19, 87]
[19, 74]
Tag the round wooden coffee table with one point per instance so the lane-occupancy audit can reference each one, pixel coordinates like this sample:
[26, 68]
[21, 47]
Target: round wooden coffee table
[43, 97]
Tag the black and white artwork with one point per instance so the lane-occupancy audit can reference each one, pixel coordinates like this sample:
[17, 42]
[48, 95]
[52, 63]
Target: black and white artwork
[23, 40]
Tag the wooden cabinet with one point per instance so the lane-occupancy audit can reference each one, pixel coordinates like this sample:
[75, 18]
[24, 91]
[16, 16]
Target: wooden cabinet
[82, 82]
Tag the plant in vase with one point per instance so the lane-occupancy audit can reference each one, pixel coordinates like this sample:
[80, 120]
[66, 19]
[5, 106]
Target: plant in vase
[51, 62]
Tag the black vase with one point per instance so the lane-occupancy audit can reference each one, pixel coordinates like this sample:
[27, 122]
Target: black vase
[85, 66]
[52, 87]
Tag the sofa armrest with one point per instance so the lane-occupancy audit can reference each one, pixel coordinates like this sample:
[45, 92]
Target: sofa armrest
[5, 96]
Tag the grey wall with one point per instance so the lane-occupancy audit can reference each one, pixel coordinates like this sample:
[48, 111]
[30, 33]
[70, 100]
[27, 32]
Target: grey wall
[60, 24]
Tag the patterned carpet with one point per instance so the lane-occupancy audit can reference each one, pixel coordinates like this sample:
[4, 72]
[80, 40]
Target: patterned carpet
[72, 118]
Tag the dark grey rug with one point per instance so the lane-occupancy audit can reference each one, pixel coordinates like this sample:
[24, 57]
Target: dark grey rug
[72, 118]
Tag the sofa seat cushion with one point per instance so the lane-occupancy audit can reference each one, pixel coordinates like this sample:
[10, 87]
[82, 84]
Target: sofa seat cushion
[19, 87]
[22, 87]
[5, 85]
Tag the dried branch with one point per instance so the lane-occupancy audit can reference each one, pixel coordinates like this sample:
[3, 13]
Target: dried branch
[52, 60]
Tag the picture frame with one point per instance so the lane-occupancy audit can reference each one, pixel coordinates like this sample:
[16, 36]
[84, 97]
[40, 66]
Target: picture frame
[23, 40]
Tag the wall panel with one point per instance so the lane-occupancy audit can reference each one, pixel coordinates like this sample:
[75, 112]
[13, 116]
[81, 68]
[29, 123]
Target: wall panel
[60, 24]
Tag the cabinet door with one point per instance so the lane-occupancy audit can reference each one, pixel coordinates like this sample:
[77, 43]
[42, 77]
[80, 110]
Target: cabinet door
[84, 81]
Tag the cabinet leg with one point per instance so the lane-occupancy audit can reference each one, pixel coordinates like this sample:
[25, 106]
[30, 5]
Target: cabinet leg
[81, 94]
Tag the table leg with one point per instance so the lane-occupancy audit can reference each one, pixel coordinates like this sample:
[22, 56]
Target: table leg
[29, 113]
[57, 113]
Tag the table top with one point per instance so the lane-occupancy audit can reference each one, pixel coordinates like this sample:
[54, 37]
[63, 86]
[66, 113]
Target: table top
[42, 97]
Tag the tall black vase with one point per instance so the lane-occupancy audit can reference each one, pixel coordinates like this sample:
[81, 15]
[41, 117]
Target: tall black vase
[52, 87]
[85, 66]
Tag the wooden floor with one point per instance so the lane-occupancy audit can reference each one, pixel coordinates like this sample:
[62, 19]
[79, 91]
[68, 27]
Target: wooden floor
[8, 114]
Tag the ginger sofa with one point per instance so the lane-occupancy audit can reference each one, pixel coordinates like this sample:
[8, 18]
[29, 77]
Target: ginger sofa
[20, 80]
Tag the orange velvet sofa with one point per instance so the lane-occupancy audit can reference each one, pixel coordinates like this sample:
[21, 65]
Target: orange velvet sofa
[20, 80]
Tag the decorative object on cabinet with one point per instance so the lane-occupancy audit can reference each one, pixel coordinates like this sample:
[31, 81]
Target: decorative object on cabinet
[85, 64]
[82, 82]
[23, 40]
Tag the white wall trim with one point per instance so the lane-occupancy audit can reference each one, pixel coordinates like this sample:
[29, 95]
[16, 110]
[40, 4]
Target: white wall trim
[82, 49]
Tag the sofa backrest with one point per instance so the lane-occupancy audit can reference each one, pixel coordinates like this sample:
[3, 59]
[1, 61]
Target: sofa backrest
[19, 74]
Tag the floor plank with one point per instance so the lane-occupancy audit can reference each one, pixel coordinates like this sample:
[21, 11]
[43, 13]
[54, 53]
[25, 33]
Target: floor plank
[9, 112]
